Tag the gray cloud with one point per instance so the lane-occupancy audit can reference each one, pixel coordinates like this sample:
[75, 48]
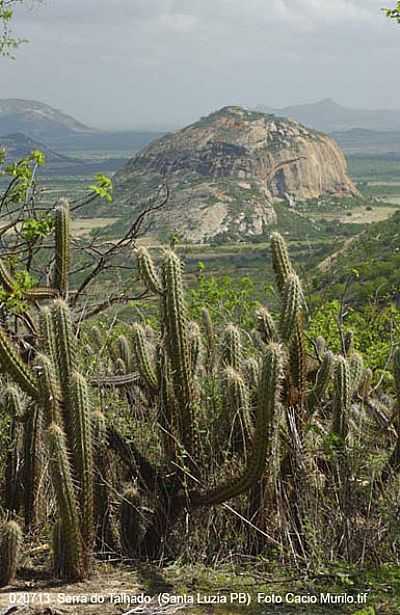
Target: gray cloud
[131, 63]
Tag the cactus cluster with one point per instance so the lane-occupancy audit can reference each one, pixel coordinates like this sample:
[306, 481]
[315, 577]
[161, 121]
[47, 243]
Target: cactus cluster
[225, 415]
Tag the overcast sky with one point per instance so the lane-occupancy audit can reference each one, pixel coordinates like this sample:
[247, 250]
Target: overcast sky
[163, 63]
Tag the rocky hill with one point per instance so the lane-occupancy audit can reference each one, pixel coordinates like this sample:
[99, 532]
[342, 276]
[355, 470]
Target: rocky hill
[225, 170]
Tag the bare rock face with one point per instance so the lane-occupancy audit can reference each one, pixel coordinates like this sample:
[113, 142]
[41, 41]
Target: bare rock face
[225, 170]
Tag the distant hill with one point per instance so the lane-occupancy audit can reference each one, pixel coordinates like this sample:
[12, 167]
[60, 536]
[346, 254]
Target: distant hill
[329, 116]
[225, 170]
[42, 122]
[37, 120]
[18, 146]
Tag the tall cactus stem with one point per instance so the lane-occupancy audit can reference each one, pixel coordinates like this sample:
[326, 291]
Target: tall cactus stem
[280, 260]
[62, 247]
[148, 272]
[67, 504]
[231, 347]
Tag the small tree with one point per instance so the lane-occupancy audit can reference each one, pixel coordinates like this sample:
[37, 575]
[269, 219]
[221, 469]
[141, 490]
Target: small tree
[394, 13]
[7, 41]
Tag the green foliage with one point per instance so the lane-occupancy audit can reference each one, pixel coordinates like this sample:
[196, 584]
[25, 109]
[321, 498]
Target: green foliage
[226, 299]
[393, 13]
[15, 301]
[102, 187]
[22, 173]
[374, 329]
[33, 229]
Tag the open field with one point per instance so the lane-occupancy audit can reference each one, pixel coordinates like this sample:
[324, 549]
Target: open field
[83, 226]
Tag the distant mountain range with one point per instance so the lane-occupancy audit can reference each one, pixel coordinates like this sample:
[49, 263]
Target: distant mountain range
[358, 131]
[328, 116]
[41, 122]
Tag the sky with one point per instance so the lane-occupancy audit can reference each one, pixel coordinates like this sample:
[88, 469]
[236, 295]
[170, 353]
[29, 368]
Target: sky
[160, 64]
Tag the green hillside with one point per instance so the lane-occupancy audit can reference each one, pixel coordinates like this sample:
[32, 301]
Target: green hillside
[367, 269]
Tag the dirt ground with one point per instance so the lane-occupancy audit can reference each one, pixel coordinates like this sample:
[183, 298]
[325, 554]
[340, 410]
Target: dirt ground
[110, 591]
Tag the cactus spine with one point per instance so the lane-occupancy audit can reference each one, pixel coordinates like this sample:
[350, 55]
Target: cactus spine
[10, 546]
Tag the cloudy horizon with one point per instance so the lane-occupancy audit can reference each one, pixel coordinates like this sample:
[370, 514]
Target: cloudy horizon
[159, 64]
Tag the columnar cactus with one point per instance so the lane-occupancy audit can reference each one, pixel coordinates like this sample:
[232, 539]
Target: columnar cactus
[123, 351]
[237, 420]
[356, 365]
[266, 325]
[10, 547]
[67, 504]
[210, 340]
[323, 378]
[148, 271]
[13, 407]
[195, 346]
[48, 342]
[231, 347]
[177, 339]
[292, 306]
[280, 260]
[342, 402]
[33, 464]
[62, 247]
[83, 454]
[143, 359]
[289, 287]
[268, 407]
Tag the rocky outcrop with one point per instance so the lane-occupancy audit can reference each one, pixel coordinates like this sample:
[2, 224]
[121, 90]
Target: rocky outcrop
[225, 170]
